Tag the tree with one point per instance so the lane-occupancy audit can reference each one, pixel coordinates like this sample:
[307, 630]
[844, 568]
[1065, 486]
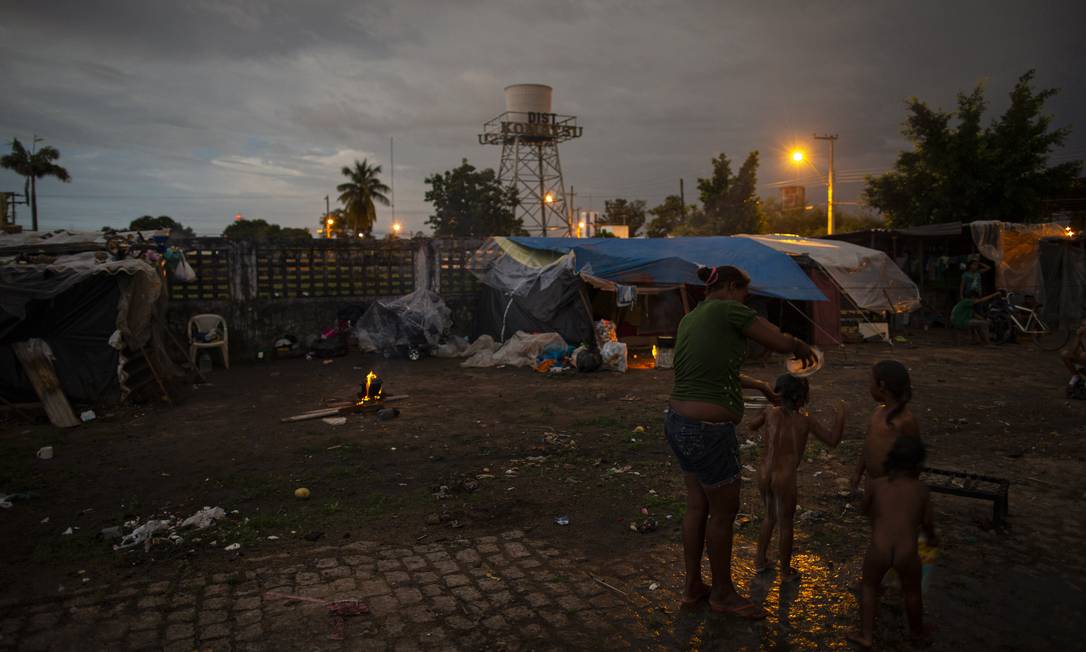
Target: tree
[729, 201]
[959, 170]
[149, 223]
[33, 165]
[339, 224]
[667, 218]
[471, 203]
[262, 231]
[623, 211]
[358, 195]
[812, 222]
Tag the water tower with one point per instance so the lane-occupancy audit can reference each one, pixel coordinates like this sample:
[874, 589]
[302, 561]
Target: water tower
[529, 135]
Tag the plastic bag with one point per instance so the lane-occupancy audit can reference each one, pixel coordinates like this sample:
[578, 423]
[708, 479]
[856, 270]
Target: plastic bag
[614, 356]
[184, 273]
[605, 332]
[204, 518]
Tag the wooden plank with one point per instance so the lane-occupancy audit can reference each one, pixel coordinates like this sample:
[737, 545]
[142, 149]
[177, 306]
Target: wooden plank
[36, 358]
[337, 409]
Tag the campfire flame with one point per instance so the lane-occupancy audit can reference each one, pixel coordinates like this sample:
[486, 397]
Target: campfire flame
[372, 391]
[654, 352]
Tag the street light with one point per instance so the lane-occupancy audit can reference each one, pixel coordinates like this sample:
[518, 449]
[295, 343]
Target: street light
[798, 157]
[328, 228]
[548, 198]
[396, 226]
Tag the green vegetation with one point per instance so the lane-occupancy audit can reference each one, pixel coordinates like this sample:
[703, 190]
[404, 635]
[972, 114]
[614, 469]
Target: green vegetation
[358, 195]
[33, 164]
[959, 170]
[471, 203]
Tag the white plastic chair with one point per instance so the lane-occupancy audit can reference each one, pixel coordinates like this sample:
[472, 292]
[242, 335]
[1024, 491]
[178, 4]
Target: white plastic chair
[206, 324]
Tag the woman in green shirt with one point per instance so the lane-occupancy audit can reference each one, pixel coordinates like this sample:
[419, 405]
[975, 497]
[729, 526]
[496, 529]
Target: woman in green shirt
[706, 404]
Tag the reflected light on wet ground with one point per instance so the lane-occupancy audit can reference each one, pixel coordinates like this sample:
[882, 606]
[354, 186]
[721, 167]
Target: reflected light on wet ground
[814, 613]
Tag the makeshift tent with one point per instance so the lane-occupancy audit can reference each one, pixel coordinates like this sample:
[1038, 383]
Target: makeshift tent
[86, 308]
[1063, 268]
[868, 276]
[522, 291]
[537, 284]
[675, 261]
[1014, 250]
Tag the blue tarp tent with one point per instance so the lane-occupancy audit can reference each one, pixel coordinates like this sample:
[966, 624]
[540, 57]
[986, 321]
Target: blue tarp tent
[675, 261]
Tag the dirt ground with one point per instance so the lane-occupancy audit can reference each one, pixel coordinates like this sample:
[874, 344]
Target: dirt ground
[516, 449]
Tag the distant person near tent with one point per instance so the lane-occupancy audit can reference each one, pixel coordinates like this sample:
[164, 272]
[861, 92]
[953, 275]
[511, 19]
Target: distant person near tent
[964, 317]
[971, 284]
[705, 407]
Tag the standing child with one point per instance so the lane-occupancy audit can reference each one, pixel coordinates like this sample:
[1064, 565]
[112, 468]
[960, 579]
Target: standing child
[899, 507]
[892, 390]
[784, 441]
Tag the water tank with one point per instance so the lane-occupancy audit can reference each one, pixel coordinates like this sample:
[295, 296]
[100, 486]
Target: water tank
[528, 98]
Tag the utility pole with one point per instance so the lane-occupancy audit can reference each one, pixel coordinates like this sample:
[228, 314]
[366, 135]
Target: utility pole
[571, 214]
[327, 207]
[682, 199]
[392, 173]
[829, 183]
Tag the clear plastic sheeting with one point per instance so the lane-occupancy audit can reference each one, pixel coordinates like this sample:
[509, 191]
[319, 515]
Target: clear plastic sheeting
[1014, 249]
[513, 277]
[520, 350]
[868, 276]
[419, 319]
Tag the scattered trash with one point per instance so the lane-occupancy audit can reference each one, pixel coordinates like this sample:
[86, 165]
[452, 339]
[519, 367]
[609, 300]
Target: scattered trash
[272, 537]
[644, 526]
[88, 415]
[639, 429]
[45, 453]
[44, 520]
[388, 414]
[750, 443]
[748, 467]
[561, 520]
[142, 534]
[619, 470]
[67, 532]
[232, 547]
[742, 520]
[313, 536]
[328, 361]
[334, 421]
[301, 492]
[204, 518]
[645, 511]
[653, 586]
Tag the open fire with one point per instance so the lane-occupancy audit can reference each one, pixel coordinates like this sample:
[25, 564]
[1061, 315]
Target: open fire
[369, 391]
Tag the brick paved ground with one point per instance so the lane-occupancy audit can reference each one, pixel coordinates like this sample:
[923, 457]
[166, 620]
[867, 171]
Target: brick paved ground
[506, 592]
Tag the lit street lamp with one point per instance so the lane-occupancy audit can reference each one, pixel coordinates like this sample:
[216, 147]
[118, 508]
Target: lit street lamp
[798, 157]
[328, 227]
[396, 227]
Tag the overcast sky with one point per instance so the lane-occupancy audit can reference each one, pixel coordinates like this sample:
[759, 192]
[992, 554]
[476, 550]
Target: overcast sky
[203, 109]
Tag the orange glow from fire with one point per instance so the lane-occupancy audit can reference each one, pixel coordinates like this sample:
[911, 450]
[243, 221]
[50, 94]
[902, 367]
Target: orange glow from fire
[369, 395]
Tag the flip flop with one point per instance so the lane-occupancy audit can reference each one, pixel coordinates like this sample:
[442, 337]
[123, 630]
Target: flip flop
[690, 602]
[747, 610]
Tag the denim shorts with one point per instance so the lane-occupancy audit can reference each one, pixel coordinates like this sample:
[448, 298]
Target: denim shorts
[708, 450]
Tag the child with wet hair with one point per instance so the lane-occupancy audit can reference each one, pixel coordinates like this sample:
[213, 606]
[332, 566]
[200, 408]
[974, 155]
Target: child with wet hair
[892, 389]
[786, 430]
[899, 506]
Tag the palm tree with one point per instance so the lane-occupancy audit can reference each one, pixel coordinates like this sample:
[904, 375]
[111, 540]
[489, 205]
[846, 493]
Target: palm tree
[359, 194]
[33, 165]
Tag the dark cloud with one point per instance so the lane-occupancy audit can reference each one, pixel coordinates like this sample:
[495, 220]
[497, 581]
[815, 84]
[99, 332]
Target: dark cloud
[204, 109]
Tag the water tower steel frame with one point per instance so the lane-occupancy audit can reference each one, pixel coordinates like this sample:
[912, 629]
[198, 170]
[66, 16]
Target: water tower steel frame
[529, 162]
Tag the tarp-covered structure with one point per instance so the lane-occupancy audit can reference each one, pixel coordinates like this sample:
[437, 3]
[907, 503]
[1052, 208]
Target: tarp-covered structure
[869, 277]
[76, 304]
[1063, 270]
[538, 284]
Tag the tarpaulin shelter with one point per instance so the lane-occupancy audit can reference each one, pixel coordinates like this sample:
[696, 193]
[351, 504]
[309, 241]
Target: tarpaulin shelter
[675, 261]
[1063, 270]
[535, 284]
[869, 277]
[87, 308]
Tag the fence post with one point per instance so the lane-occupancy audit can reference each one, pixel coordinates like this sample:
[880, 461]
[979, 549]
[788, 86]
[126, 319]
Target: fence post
[423, 279]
